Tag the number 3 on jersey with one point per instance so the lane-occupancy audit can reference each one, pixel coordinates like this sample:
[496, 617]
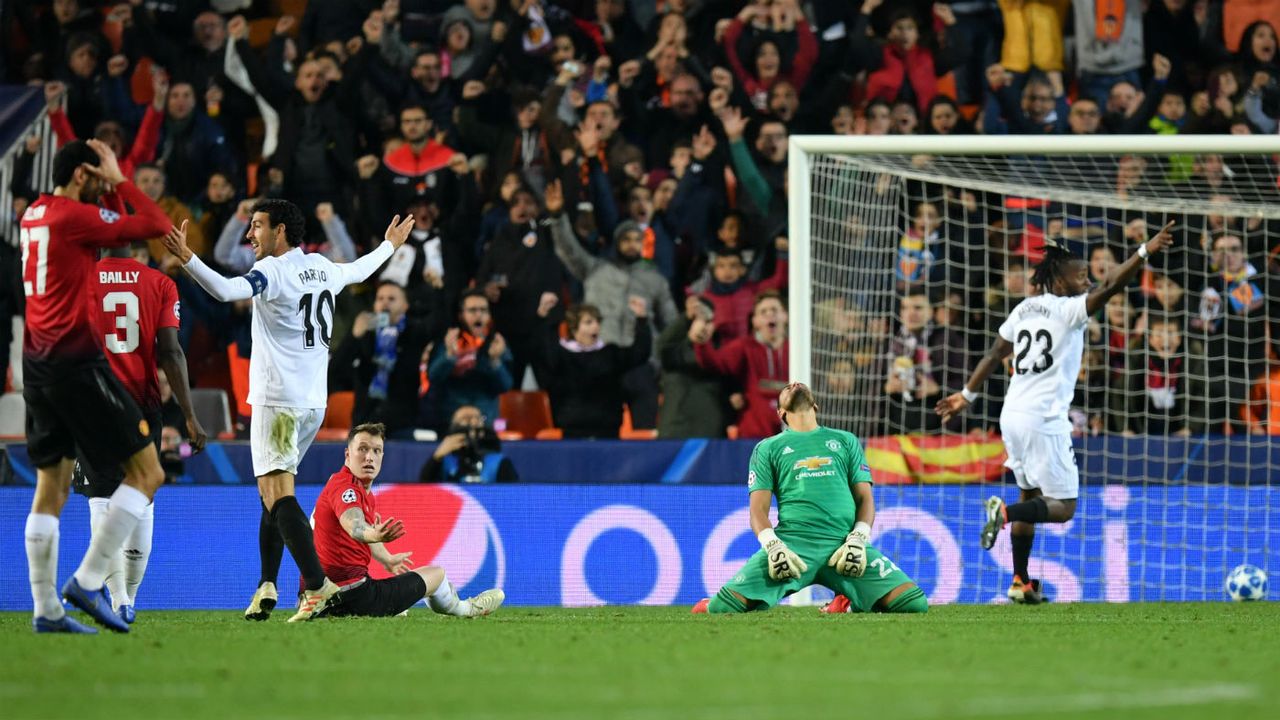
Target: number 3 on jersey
[315, 303]
[125, 307]
[1023, 346]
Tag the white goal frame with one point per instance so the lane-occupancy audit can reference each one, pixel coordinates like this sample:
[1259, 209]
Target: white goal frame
[802, 148]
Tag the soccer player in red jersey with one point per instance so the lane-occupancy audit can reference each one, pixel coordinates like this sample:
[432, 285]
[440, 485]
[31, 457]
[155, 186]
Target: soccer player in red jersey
[136, 313]
[73, 399]
[350, 533]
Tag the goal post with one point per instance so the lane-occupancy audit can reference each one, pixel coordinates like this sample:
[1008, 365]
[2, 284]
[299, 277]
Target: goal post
[1178, 465]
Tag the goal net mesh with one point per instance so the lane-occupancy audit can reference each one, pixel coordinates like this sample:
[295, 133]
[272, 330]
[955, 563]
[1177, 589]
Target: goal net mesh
[914, 263]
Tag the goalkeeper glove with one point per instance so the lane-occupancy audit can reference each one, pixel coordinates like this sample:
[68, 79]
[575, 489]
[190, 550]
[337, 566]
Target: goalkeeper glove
[850, 559]
[783, 563]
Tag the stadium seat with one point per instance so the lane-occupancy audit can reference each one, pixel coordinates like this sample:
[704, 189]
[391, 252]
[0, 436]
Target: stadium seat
[627, 432]
[529, 414]
[13, 416]
[213, 411]
[337, 417]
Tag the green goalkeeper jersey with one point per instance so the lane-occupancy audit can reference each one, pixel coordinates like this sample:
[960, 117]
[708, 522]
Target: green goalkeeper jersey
[812, 475]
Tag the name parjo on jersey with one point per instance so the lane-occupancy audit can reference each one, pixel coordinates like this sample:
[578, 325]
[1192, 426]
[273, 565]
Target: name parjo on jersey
[1047, 334]
[293, 310]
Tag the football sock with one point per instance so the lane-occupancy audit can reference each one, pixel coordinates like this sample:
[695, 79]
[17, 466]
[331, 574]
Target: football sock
[137, 552]
[445, 600]
[115, 570]
[725, 602]
[911, 601]
[270, 547]
[296, 532]
[1035, 510]
[127, 505]
[1021, 554]
[42, 564]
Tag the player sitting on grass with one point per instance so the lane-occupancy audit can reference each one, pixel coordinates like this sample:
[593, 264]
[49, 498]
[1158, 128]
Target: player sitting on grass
[825, 513]
[1047, 331]
[349, 532]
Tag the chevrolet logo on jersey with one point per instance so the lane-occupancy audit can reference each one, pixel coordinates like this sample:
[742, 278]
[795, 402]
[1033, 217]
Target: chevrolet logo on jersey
[811, 463]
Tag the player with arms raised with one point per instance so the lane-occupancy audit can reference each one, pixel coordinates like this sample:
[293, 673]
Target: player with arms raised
[825, 514]
[135, 310]
[293, 300]
[73, 399]
[1046, 332]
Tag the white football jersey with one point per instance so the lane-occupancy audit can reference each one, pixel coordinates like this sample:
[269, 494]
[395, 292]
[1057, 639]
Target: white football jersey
[292, 326]
[1047, 333]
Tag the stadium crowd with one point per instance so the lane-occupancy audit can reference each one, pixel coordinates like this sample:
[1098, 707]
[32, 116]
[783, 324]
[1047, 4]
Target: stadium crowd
[600, 192]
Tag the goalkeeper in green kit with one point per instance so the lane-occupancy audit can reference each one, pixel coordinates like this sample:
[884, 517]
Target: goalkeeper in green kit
[825, 513]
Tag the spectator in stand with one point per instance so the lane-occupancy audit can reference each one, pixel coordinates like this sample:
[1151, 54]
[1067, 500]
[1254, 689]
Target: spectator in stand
[757, 363]
[1043, 110]
[1162, 389]
[683, 115]
[923, 250]
[471, 365]
[526, 147]
[776, 32]
[1231, 322]
[1129, 111]
[1225, 103]
[611, 286]
[151, 180]
[470, 452]
[1264, 395]
[586, 372]
[52, 32]
[1108, 45]
[943, 117]
[925, 362]
[979, 28]
[1085, 117]
[83, 83]
[694, 400]
[380, 362]
[143, 147]
[1257, 49]
[733, 294]
[519, 266]
[419, 168]
[900, 68]
[761, 175]
[1171, 29]
[192, 147]
[424, 86]
[217, 205]
[316, 158]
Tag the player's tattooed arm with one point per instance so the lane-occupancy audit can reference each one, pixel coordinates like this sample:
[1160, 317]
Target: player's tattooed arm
[361, 530]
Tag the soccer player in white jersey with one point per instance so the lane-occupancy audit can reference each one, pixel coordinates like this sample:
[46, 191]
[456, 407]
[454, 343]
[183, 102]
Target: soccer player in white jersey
[1045, 333]
[293, 300]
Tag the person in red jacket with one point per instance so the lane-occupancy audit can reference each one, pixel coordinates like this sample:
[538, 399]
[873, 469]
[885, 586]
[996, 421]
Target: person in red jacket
[143, 149]
[733, 295]
[900, 68]
[758, 362]
[765, 24]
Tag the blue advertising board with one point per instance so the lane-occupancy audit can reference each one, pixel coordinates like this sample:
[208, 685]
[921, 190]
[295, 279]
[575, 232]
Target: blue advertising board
[577, 545]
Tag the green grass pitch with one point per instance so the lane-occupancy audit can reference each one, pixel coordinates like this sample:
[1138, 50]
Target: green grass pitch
[1058, 661]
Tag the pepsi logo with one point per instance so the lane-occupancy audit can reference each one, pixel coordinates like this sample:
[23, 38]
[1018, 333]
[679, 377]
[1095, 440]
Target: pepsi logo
[448, 527]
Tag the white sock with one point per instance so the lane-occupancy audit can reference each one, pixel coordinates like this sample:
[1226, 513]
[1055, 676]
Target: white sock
[445, 601]
[115, 569]
[127, 505]
[137, 551]
[42, 565]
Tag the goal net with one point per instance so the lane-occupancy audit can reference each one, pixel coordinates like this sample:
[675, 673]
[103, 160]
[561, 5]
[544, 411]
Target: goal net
[907, 253]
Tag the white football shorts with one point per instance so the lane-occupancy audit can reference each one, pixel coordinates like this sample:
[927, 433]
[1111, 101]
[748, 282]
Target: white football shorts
[279, 437]
[1040, 455]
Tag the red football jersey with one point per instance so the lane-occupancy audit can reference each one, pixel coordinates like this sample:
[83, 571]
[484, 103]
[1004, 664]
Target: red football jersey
[60, 239]
[344, 558]
[131, 302]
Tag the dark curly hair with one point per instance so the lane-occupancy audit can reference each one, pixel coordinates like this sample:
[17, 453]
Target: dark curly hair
[1053, 267]
[283, 212]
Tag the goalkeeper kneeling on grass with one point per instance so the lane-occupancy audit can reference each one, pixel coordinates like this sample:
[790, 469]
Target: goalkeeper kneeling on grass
[825, 513]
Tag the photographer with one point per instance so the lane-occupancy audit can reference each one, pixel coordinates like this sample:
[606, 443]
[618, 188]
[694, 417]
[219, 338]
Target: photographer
[470, 453]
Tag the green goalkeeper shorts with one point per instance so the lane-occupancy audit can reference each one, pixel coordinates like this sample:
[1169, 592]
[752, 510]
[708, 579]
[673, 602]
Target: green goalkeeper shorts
[882, 575]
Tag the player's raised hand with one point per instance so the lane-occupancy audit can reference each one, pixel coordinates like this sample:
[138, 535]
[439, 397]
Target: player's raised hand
[398, 563]
[950, 406]
[384, 531]
[784, 564]
[398, 231]
[1161, 240]
[108, 167]
[195, 431]
[850, 559]
[176, 241]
